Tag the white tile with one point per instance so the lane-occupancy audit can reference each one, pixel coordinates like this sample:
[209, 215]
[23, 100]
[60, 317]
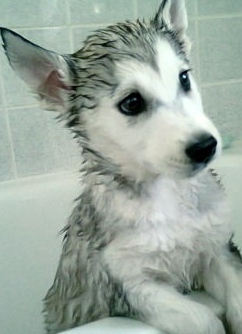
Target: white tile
[40, 144]
[33, 13]
[192, 34]
[191, 6]
[220, 49]
[66, 150]
[79, 34]
[148, 9]
[31, 141]
[1, 85]
[224, 104]
[1, 95]
[219, 7]
[101, 11]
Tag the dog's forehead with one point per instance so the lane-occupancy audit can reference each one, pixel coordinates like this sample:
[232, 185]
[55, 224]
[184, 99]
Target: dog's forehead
[131, 40]
[159, 78]
[131, 53]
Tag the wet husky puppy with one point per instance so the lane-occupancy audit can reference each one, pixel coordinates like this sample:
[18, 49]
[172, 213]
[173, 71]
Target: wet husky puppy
[150, 226]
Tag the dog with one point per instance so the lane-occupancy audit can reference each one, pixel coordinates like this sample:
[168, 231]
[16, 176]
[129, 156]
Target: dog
[151, 226]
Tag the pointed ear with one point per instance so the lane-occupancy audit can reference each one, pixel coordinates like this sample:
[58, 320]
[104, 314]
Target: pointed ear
[45, 72]
[173, 14]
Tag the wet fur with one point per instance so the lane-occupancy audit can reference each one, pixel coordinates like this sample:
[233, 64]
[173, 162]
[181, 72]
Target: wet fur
[148, 229]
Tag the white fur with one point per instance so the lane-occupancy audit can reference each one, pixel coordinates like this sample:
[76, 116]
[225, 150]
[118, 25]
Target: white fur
[157, 144]
[146, 227]
[165, 225]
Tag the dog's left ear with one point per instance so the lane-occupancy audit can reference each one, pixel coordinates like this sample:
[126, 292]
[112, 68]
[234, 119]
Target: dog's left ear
[172, 13]
[45, 72]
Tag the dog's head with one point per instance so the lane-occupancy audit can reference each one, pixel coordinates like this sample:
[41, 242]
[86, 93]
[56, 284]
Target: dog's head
[128, 94]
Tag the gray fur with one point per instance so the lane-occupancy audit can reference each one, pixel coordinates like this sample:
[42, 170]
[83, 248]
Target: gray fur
[114, 260]
[94, 64]
[83, 289]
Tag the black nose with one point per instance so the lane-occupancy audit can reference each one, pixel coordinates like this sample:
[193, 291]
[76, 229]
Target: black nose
[202, 150]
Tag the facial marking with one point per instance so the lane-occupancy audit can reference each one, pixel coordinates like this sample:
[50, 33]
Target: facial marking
[159, 83]
[170, 65]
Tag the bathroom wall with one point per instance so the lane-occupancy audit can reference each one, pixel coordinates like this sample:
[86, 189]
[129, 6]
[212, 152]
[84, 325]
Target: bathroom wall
[33, 143]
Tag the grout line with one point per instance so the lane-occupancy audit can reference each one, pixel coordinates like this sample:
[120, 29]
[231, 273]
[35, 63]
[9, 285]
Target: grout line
[88, 25]
[80, 25]
[97, 25]
[91, 25]
[12, 153]
[22, 106]
[135, 9]
[23, 29]
[219, 16]
[221, 83]
[198, 44]
[68, 13]
[8, 128]
[196, 9]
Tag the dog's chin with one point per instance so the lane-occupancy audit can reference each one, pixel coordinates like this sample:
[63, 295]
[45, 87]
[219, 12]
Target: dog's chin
[196, 169]
[174, 169]
[185, 171]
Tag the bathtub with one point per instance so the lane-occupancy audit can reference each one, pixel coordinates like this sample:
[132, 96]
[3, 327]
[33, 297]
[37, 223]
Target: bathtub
[32, 212]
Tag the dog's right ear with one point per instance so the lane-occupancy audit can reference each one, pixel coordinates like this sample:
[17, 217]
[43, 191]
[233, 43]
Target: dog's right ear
[45, 72]
[173, 14]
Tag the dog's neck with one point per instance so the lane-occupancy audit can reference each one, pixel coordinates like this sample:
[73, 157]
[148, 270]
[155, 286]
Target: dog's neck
[111, 200]
[97, 170]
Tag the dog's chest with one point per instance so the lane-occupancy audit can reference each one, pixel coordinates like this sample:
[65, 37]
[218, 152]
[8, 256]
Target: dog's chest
[172, 218]
[168, 234]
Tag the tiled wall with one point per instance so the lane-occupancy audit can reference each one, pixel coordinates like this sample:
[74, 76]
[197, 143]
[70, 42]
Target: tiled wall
[32, 143]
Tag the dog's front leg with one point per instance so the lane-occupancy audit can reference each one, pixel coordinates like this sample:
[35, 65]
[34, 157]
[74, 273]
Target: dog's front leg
[223, 280]
[161, 306]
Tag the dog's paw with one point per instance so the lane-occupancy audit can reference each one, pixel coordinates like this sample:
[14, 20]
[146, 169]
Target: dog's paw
[196, 320]
[204, 321]
[209, 324]
[234, 315]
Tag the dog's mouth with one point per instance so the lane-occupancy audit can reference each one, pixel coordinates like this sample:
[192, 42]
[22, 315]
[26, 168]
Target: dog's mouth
[179, 168]
[185, 168]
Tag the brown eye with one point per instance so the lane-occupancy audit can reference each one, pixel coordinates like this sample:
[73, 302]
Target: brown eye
[132, 105]
[185, 81]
